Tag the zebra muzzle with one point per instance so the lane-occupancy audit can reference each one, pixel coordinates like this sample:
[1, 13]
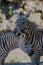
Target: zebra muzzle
[31, 52]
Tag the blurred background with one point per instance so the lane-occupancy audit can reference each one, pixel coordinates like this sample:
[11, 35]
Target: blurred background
[8, 19]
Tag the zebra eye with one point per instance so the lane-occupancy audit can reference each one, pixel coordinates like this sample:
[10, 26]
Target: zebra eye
[23, 36]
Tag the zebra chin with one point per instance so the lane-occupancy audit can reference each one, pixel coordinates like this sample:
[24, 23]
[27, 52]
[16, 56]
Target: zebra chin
[29, 52]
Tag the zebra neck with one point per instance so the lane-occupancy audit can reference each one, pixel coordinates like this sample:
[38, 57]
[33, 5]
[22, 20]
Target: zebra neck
[32, 32]
[32, 38]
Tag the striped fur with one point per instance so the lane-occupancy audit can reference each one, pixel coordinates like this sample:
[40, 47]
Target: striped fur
[27, 37]
[8, 42]
[34, 41]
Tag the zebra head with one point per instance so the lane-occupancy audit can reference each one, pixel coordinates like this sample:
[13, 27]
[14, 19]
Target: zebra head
[26, 27]
[24, 44]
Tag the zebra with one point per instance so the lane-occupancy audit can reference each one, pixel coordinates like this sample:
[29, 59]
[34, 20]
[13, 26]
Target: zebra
[26, 37]
[9, 40]
[31, 38]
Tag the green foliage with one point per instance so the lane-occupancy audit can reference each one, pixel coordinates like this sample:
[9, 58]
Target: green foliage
[10, 12]
[0, 4]
[0, 1]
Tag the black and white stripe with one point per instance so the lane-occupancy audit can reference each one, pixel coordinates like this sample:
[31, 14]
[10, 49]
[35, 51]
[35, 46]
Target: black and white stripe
[8, 42]
[35, 41]
[32, 43]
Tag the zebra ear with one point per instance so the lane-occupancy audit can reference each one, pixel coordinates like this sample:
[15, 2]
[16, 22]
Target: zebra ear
[27, 14]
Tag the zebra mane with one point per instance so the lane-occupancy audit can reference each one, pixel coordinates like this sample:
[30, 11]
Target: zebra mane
[23, 22]
[33, 25]
[29, 25]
